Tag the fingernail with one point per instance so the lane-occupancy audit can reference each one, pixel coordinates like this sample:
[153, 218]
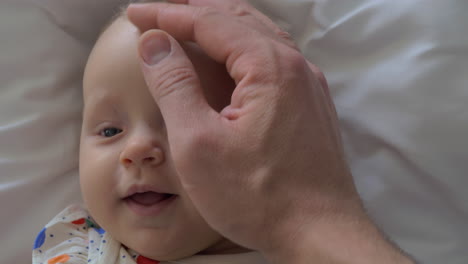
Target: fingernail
[155, 48]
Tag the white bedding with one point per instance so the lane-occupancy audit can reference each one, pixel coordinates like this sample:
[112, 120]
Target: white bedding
[398, 71]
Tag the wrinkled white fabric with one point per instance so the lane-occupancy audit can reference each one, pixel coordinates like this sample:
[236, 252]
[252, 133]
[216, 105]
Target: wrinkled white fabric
[398, 72]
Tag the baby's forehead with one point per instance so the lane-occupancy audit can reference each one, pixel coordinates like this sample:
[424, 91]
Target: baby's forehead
[122, 14]
[114, 61]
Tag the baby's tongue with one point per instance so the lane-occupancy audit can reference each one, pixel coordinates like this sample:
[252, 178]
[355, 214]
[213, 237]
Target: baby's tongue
[148, 198]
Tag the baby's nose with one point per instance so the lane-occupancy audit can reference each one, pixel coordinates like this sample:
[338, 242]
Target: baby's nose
[142, 155]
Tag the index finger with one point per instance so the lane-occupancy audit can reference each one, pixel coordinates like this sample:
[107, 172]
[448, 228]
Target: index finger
[242, 8]
[222, 37]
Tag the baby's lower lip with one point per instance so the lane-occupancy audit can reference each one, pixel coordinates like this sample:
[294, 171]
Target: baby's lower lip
[151, 209]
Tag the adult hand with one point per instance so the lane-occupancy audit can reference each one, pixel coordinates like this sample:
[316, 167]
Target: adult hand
[267, 171]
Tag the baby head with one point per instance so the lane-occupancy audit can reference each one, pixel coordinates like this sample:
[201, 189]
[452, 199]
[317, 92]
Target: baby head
[127, 175]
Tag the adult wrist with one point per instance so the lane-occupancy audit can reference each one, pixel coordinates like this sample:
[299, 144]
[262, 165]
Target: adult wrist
[338, 240]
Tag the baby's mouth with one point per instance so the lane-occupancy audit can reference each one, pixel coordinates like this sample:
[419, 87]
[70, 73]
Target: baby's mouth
[149, 198]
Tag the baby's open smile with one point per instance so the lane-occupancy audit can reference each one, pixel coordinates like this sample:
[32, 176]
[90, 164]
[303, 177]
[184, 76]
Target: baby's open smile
[145, 200]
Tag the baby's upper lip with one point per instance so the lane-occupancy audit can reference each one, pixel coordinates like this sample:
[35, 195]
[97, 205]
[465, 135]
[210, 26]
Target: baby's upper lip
[142, 188]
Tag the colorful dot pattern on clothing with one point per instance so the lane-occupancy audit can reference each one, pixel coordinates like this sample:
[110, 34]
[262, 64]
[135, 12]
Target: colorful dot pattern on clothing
[40, 239]
[73, 237]
[89, 223]
[59, 259]
[79, 221]
[100, 230]
[145, 260]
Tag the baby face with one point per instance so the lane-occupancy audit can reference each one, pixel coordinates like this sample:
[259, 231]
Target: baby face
[127, 174]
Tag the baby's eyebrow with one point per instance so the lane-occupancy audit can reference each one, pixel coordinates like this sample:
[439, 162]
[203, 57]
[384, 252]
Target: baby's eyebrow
[100, 102]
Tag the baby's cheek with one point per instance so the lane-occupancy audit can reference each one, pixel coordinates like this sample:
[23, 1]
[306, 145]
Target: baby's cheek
[95, 179]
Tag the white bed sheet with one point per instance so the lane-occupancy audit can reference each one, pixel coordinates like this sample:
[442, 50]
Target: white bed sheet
[398, 72]
[43, 48]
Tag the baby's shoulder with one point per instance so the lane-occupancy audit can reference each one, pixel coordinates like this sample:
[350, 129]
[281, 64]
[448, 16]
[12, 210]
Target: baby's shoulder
[75, 214]
[67, 233]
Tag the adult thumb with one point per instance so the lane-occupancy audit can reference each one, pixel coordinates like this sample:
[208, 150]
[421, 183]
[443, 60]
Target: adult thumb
[173, 82]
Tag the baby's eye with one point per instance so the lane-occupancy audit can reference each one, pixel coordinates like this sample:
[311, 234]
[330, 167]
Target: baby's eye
[110, 131]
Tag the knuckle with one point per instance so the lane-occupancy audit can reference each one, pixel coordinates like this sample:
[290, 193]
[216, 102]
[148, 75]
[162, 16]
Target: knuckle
[206, 11]
[287, 38]
[205, 15]
[173, 80]
[318, 74]
[284, 34]
[294, 60]
[240, 10]
[321, 78]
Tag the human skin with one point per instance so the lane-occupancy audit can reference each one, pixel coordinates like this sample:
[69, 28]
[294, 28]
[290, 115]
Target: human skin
[124, 144]
[274, 154]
